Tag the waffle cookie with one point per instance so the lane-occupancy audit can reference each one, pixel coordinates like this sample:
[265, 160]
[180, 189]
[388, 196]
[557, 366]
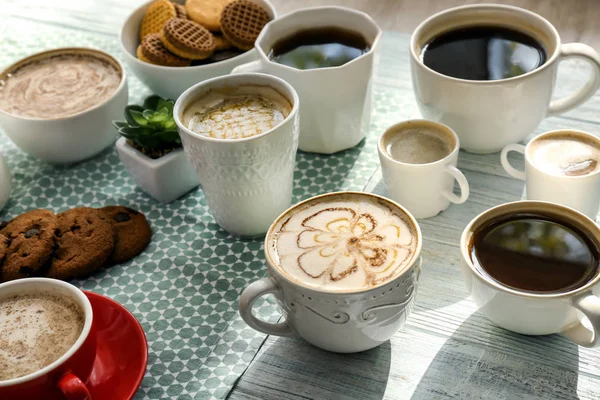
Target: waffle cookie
[221, 43]
[187, 39]
[152, 51]
[157, 14]
[180, 11]
[242, 21]
[206, 12]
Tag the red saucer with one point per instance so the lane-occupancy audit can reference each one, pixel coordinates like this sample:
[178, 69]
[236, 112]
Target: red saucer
[121, 353]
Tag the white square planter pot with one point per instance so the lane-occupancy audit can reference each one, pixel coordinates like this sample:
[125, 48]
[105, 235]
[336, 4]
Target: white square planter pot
[165, 179]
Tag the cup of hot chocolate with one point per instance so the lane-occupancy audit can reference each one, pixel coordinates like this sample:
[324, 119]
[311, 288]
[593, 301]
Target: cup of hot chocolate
[488, 72]
[533, 268]
[241, 134]
[328, 54]
[344, 269]
[561, 167]
[58, 105]
[418, 163]
[47, 340]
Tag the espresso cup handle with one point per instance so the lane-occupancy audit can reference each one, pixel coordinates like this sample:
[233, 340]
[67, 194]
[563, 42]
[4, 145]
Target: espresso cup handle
[253, 66]
[252, 293]
[589, 305]
[586, 53]
[462, 183]
[512, 171]
[73, 388]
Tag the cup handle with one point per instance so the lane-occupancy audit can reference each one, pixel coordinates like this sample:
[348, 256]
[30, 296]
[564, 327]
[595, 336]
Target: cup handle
[254, 291]
[589, 305]
[462, 183]
[73, 388]
[512, 171]
[252, 66]
[586, 53]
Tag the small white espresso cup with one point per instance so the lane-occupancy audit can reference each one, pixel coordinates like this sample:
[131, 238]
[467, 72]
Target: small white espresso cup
[534, 313]
[488, 115]
[581, 192]
[336, 101]
[247, 182]
[343, 321]
[425, 189]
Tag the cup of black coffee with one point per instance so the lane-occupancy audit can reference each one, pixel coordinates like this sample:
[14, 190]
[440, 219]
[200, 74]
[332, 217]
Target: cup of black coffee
[488, 71]
[532, 267]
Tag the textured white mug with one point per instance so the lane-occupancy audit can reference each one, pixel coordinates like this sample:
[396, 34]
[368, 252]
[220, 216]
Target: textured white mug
[343, 322]
[247, 182]
[425, 189]
[532, 313]
[336, 101]
[579, 192]
[488, 115]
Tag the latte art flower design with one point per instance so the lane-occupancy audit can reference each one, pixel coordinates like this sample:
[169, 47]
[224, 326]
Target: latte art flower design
[345, 247]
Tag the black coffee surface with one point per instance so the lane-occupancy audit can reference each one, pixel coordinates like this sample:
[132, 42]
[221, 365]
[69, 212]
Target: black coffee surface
[319, 48]
[483, 53]
[535, 253]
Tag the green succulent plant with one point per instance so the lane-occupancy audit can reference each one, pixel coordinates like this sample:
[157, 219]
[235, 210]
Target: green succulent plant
[150, 127]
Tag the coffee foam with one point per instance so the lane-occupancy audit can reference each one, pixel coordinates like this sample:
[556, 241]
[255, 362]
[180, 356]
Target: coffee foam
[35, 331]
[418, 145]
[567, 155]
[343, 243]
[237, 113]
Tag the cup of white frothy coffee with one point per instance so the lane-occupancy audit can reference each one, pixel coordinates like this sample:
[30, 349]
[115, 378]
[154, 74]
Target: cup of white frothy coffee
[48, 344]
[344, 268]
[561, 167]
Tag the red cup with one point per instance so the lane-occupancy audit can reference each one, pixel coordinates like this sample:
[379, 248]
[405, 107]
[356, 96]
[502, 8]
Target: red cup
[65, 377]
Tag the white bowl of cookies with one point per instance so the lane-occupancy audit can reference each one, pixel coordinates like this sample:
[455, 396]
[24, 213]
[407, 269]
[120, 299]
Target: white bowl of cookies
[172, 45]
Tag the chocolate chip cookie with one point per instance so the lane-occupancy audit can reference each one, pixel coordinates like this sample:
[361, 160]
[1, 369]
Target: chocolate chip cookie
[85, 240]
[133, 232]
[30, 242]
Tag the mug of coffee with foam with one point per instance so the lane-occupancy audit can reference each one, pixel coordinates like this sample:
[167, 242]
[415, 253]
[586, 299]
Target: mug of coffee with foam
[344, 269]
[241, 134]
[48, 340]
[533, 268]
[328, 54]
[418, 163]
[488, 72]
[562, 167]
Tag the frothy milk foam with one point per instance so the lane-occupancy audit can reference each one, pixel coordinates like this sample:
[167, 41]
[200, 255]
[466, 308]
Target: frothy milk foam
[343, 243]
[566, 155]
[237, 113]
[418, 146]
[35, 331]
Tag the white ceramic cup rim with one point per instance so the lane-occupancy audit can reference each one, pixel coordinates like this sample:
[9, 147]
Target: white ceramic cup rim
[530, 206]
[311, 10]
[433, 19]
[436, 126]
[87, 326]
[168, 69]
[318, 291]
[42, 55]
[562, 132]
[189, 95]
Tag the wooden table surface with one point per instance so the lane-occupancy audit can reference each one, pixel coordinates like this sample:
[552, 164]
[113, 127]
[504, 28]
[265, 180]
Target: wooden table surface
[447, 349]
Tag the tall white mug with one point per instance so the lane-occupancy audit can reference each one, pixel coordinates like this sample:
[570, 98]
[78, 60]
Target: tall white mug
[335, 102]
[488, 115]
[247, 182]
[424, 189]
[580, 192]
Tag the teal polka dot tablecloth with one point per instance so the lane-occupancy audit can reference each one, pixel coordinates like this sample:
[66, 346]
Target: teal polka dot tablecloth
[184, 288]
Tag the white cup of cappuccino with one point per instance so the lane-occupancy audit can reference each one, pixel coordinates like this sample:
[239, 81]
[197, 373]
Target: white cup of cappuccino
[336, 101]
[418, 163]
[489, 114]
[245, 161]
[344, 268]
[562, 167]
